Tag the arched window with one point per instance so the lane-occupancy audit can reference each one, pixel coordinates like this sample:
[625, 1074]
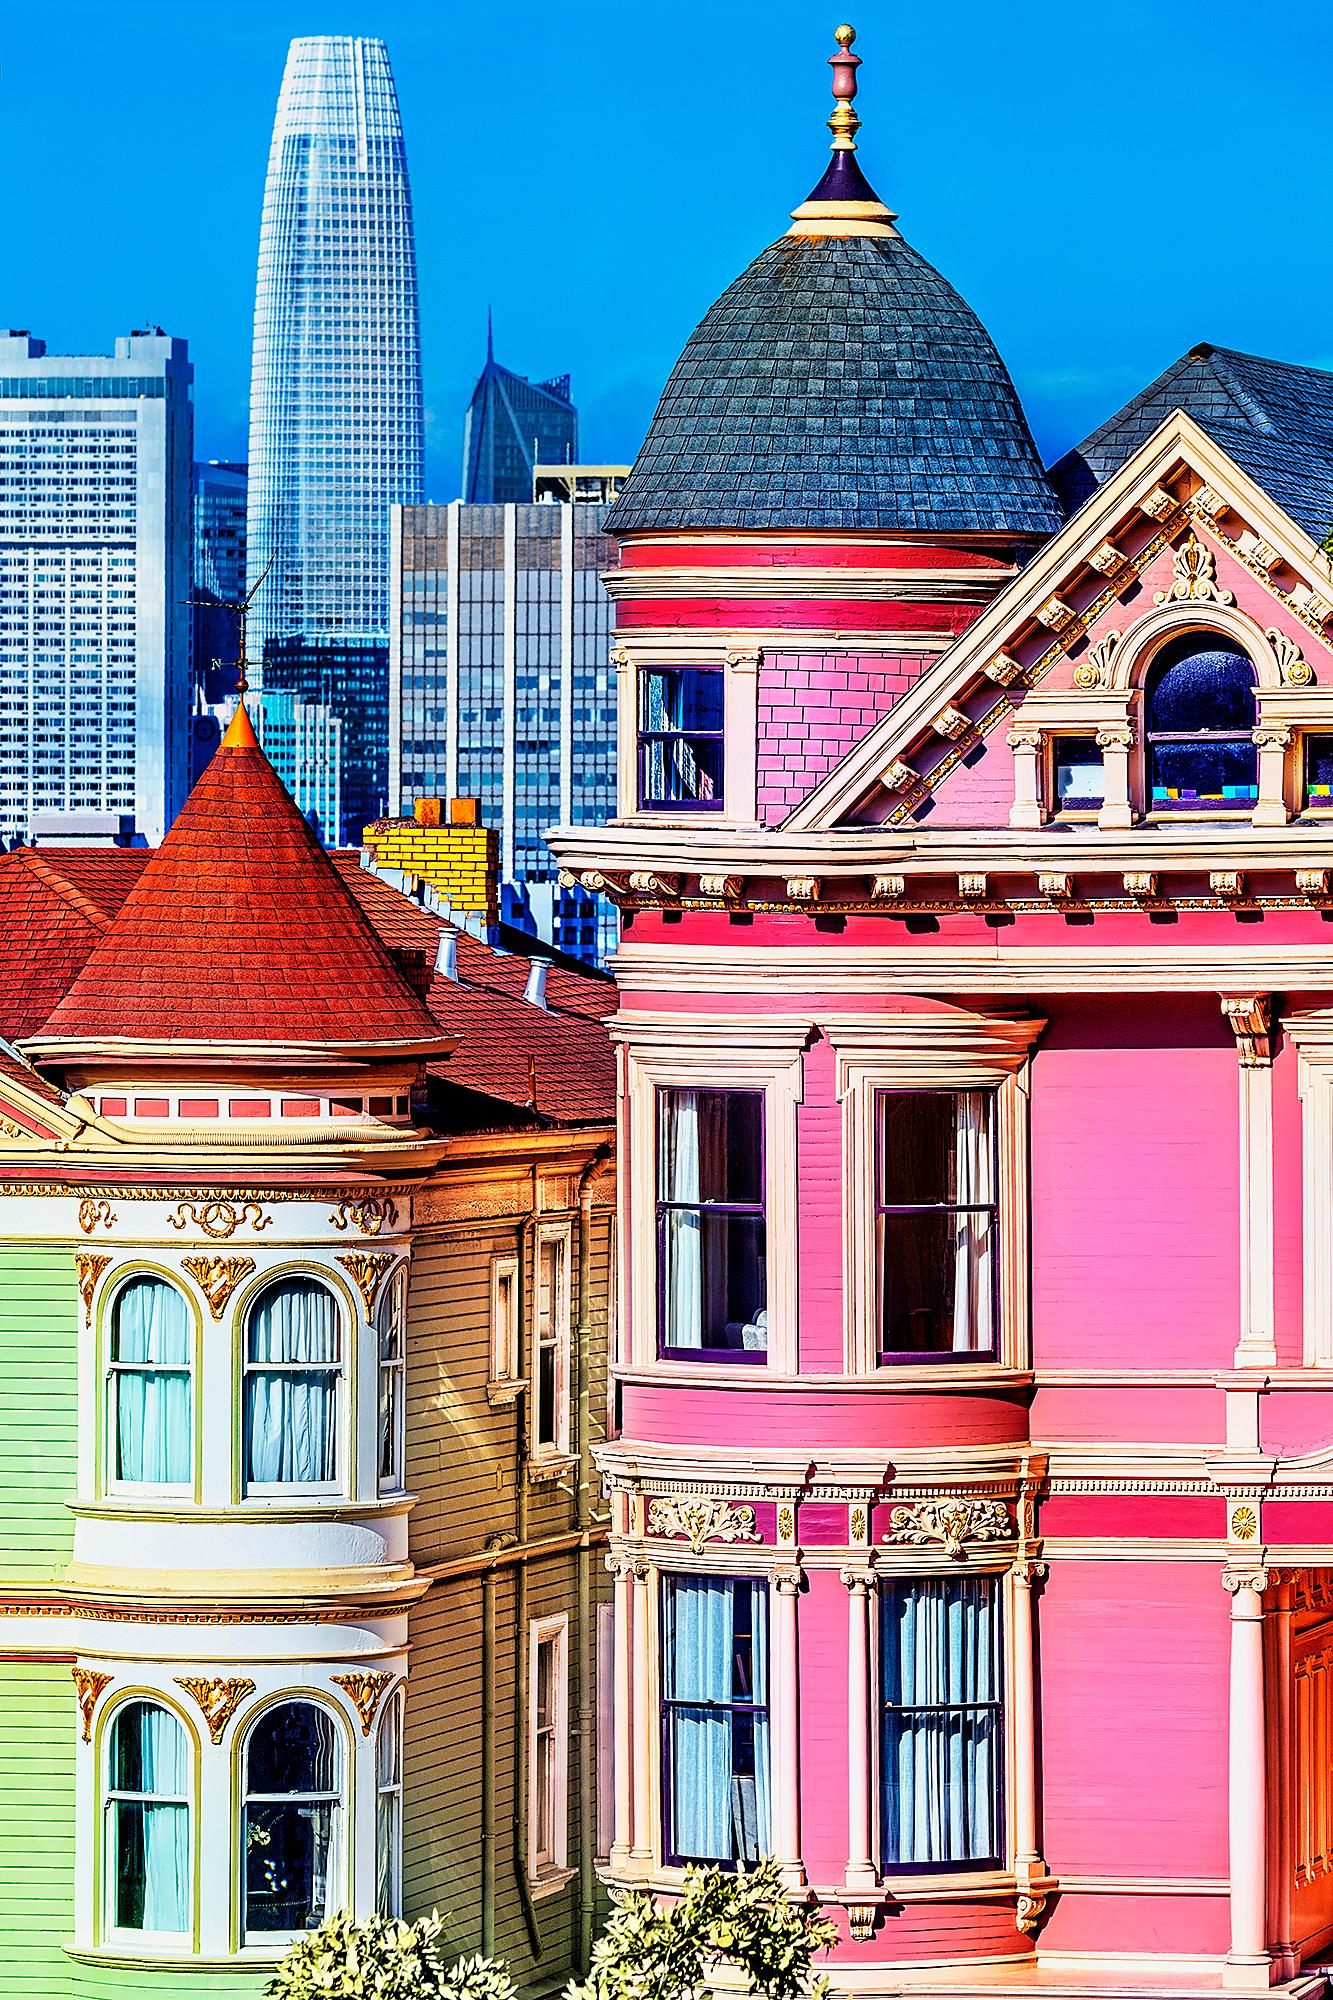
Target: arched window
[292, 1796]
[150, 1431]
[148, 1821]
[1199, 703]
[293, 1360]
[392, 1331]
[389, 1809]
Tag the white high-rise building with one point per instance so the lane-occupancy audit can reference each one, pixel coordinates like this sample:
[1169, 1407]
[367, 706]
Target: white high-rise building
[95, 468]
[336, 426]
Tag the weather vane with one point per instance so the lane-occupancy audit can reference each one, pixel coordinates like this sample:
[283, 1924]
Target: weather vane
[240, 606]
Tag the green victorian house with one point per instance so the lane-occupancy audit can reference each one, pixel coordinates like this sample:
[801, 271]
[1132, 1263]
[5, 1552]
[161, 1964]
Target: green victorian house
[305, 1247]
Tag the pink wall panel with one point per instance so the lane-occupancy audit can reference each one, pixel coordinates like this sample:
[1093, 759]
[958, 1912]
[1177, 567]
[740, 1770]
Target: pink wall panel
[823, 1723]
[1094, 1515]
[1134, 1670]
[813, 708]
[1156, 1413]
[819, 1215]
[980, 791]
[865, 1416]
[1135, 1171]
[1180, 1924]
[1288, 1309]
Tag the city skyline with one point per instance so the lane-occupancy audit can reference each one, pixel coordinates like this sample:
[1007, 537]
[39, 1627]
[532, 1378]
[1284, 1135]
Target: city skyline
[996, 200]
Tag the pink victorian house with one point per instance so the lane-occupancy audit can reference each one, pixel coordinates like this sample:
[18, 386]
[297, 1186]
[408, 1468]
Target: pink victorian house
[972, 1473]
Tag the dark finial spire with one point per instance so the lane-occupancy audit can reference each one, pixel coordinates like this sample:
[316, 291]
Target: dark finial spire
[844, 203]
[490, 339]
[844, 124]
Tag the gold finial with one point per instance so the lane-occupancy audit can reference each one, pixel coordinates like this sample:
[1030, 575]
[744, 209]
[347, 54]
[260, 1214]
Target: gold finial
[844, 124]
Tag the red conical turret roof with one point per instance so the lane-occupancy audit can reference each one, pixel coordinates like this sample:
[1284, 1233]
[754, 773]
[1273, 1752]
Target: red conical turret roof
[241, 931]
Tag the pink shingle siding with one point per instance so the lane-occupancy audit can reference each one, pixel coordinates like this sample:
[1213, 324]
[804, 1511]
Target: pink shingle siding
[813, 708]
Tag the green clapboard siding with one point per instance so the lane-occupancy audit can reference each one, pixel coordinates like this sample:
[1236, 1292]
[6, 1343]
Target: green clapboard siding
[38, 1733]
[38, 1407]
[87, 1981]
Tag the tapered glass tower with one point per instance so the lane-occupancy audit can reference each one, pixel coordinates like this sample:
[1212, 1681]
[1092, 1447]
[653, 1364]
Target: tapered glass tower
[335, 399]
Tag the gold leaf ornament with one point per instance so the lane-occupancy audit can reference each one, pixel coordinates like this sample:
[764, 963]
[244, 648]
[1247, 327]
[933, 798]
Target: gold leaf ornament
[367, 1691]
[218, 1698]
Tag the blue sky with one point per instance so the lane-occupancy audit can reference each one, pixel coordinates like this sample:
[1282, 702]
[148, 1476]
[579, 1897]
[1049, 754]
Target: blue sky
[1105, 186]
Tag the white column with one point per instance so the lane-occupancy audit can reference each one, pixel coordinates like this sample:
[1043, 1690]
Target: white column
[1028, 1864]
[786, 1772]
[1247, 1962]
[1249, 1016]
[1115, 744]
[1281, 1777]
[645, 1709]
[1026, 747]
[1272, 743]
[861, 1871]
[622, 1840]
[740, 717]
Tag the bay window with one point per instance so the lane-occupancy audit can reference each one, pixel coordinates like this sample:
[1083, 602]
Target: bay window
[710, 1225]
[147, 1821]
[715, 1723]
[391, 1331]
[942, 1725]
[289, 1828]
[680, 738]
[389, 1809]
[150, 1428]
[293, 1362]
[936, 1224]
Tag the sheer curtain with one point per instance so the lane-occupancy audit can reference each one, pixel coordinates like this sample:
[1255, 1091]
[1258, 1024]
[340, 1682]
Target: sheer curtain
[150, 1352]
[682, 1238]
[291, 1431]
[941, 1736]
[389, 1809]
[974, 1181]
[701, 1764]
[150, 1794]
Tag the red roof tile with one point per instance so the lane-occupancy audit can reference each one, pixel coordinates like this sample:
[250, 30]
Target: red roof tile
[239, 929]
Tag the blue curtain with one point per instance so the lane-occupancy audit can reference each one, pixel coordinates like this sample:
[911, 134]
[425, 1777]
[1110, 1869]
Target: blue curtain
[291, 1433]
[759, 1627]
[150, 1345]
[941, 1664]
[719, 1725]
[150, 1780]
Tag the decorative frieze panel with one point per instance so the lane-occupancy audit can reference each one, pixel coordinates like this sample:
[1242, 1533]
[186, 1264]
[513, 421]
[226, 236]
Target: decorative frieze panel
[701, 1521]
[219, 1218]
[951, 1522]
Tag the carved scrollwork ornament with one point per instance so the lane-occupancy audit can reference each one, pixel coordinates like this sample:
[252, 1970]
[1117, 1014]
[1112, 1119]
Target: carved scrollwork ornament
[787, 1579]
[367, 1691]
[861, 1918]
[90, 1265]
[217, 1278]
[1292, 664]
[218, 1218]
[218, 1698]
[1234, 1580]
[701, 1521]
[369, 1268]
[92, 1212]
[621, 1565]
[1195, 579]
[951, 1522]
[857, 1577]
[368, 1213]
[1094, 670]
[1029, 1913]
[89, 1685]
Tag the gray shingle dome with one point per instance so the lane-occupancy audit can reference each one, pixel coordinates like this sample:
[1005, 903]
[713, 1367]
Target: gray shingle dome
[840, 382]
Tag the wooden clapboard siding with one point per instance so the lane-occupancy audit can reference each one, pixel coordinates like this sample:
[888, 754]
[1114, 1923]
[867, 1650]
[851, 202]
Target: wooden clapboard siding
[89, 1981]
[38, 1741]
[38, 1407]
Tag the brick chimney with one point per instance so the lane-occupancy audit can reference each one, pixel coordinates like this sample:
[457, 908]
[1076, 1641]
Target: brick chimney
[445, 846]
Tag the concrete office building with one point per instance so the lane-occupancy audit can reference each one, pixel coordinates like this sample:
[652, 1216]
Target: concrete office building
[501, 688]
[95, 466]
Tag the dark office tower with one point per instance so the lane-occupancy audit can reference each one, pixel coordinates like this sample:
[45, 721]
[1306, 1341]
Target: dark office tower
[336, 425]
[512, 426]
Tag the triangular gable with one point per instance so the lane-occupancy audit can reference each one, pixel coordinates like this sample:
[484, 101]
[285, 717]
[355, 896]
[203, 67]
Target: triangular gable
[927, 734]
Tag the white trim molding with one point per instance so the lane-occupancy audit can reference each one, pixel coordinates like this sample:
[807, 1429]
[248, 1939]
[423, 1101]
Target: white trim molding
[1313, 1035]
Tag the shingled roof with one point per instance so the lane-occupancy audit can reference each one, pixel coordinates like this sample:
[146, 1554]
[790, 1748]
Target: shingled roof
[1273, 417]
[841, 382]
[241, 930]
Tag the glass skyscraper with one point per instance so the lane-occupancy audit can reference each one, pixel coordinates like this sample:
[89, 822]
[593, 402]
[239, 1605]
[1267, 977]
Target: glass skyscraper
[502, 689]
[512, 426]
[336, 427]
[95, 459]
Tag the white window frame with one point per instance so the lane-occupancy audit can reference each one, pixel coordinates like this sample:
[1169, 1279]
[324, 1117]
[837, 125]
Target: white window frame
[950, 1049]
[252, 1489]
[393, 1708]
[507, 1380]
[339, 1818]
[182, 1942]
[112, 1370]
[554, 1334]
[707, 1052]
[393, 1301]
[549, 1868]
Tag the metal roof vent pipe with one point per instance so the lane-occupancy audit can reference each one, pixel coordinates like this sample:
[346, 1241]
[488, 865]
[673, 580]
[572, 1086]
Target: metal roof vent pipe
[446, 955]
[535, 990]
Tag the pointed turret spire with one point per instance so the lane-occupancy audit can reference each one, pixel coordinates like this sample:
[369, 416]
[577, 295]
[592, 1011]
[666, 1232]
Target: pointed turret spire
[844, 203]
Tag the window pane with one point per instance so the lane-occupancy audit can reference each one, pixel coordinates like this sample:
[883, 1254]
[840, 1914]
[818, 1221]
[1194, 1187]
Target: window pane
[295, 1322]
[937, 1270]
[713, 1280]
[152, 1419]
[1319, 770]
[389, 1810]
[1216, 774]
[287, 1851]
[293, 1749]
[936, 1147]
[291, 1435]
[943, 1719]
[150, 1829]
[680, 698]
[712, 1146]
[716, 1643]
[1200, 683]
[681, 770]
[1080, 784]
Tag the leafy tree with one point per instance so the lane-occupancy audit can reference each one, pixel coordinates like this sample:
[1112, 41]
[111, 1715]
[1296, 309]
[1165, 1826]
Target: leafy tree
[383, 1958]
[663, 1951]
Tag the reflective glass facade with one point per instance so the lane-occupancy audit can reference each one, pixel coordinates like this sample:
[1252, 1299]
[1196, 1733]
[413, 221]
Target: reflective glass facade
[220, 500]
[513, 425]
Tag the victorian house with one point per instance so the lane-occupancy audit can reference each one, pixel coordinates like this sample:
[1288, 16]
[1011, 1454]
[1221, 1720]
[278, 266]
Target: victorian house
[973, 1485]
[304, 1253]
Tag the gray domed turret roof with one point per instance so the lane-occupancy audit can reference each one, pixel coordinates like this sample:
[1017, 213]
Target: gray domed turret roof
[840, 382]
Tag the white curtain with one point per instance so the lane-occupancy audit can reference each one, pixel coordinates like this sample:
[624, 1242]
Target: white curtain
[941, 1735]
[291, 1386]
[151, 1352]
[149, 1757]
[974, 1181]
[682, 1230]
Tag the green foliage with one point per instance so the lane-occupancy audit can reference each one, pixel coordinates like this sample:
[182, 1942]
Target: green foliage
[662, 1951]
[383, 1958]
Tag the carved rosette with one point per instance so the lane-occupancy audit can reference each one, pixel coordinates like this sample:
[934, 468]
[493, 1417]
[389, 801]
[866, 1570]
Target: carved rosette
[366, 1691]
[90, 1264]
[220, 1219]
[218, 1277]
[218, 1699]
[89, 1685]
[369, 1214]
[368, 1268]
[952, 1523]
[702, 1521]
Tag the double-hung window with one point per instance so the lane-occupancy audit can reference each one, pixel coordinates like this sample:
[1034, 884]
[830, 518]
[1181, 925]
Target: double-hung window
[942, 1724]
[293, 1363]
[548, 1748]
[715, 1791]
[293, 1790]
[712, 1296]
[391, 1332]
[148, 1821]
[681, 738]
[551, 1336]
[149, 1405]
[936, 1224]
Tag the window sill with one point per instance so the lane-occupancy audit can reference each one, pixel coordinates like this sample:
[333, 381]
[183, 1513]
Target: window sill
[550, 1881]
[131, 1957]
[500, 1395]
[551, 1467]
